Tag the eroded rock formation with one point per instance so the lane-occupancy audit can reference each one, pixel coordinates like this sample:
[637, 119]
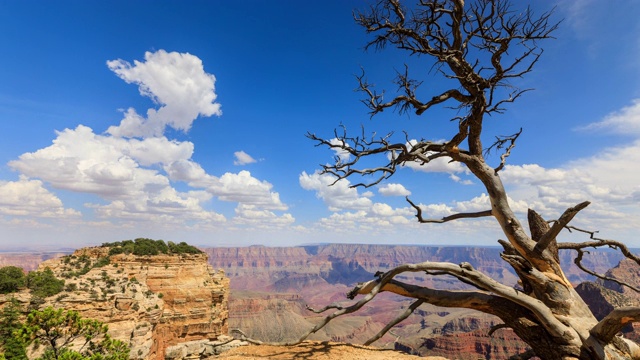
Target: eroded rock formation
[152, 302]
[319, 275]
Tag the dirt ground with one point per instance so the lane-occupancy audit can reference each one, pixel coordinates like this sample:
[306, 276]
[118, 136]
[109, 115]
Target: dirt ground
[314, 350]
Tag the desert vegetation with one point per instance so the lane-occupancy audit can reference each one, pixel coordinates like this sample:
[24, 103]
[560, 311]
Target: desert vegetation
[144, 246]
[480, 47]
[56, 334]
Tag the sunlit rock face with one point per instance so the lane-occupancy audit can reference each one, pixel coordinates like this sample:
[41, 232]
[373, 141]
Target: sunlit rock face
[151, 302]
[270, 287]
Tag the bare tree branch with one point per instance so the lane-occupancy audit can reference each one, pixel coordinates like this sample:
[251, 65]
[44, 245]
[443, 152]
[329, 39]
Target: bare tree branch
[500, 143]
[328, 307]
[465, 271]
[608, 327]
[447, 218]
[558, 225]
[599, 242]
[405, 314]
[538, 228]
[578, 262]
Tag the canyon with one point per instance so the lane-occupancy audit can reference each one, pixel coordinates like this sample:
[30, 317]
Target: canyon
[271, 287]
[164, 306]
[177, 306]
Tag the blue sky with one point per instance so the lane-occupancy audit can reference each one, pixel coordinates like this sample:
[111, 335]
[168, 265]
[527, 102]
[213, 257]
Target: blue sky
[185, 121]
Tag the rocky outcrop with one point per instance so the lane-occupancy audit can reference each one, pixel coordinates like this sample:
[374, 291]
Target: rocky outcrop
[151, 302]
[603, 296]
[467, 345]
[319, 275]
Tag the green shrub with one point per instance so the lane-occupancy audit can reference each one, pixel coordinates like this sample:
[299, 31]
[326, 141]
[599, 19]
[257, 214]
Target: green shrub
[103, 261]
[56, 329]
[13, 346]
[44, 283]
[144, 246]
[12, 278]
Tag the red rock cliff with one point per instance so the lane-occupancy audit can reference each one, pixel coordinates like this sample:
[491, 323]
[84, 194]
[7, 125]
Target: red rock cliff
[152, 302]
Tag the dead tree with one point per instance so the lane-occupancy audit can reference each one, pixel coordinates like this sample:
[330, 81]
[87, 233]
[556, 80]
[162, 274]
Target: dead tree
[479, 47]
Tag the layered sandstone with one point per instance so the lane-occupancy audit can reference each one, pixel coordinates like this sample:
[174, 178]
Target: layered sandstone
[320, 275]
[603, 296]
[151, 302]
[283, 269]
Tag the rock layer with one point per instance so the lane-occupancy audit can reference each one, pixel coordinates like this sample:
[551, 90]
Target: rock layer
[320, 275]
[151, 302]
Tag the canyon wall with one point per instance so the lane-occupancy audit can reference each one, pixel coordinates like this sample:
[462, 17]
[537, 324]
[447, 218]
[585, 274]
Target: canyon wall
[28, 260]
[151, 302]
[270, 288]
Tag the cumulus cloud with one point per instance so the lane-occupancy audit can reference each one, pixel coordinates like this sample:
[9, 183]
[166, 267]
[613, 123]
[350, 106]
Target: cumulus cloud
[626, 121]
[114, 169]
[609, 179]
[176, 82]
[261, 218]
[458, 179]
[379, 217]
[439, 165]
[81, 161]
[241, 187]
[29, 198]
[242, 158]
[246, 189]
[342, 154]
[394, 190]
[132, 168]
[338, 196]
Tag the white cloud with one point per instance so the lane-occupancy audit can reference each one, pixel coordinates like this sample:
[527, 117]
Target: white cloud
[81, 161]
[242, 158]
[29, 198]
[186, 170]
[342, 154]
[534, 174]
[112, 168]
[439, 165]
[394, 190]
[338, 196]
[241, 187]
[626, 121]
[261, 218]
[244, 188]
[132, 167]
[457, 179]
[175, 81]
[378, 218]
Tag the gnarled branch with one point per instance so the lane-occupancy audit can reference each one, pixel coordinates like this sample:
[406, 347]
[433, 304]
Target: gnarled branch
[558, 225]
[500, 142]
[597, 243]
[447, 218]
[578, 262]
[478, 279]
[608, 327]
[405, 314]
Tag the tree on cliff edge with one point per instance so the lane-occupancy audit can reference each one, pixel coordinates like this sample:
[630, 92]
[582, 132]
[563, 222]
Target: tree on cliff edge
[65, 335]
[479, 47]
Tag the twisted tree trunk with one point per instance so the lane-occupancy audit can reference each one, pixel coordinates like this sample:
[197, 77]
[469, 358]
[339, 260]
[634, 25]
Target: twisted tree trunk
[467, 44]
